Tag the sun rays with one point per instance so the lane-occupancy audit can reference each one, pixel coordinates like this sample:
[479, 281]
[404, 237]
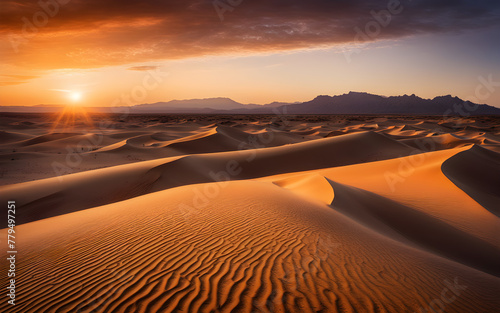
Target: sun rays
[70, 117]
[73, 114]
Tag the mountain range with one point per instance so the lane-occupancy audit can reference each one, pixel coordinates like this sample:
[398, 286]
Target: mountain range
[350, 103]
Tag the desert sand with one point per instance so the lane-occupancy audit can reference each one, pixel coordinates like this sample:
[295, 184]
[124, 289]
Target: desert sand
[255, 213]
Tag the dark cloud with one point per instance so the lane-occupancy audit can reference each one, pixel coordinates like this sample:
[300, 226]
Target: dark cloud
[89, 33]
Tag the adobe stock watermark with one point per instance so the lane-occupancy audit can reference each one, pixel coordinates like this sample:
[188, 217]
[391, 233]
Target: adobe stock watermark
[31, 26]
[223, 6]
[448, 295]
[484, 90]
[373, 28]
[121, 105]
[408, 165]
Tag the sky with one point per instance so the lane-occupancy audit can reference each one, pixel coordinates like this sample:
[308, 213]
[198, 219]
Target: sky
[123, 52]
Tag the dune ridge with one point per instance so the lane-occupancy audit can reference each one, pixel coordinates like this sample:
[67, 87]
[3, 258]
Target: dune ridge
[139, 178]
[475, 171]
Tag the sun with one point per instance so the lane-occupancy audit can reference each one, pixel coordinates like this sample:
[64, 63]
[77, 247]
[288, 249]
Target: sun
[75, 96]
[72, 115]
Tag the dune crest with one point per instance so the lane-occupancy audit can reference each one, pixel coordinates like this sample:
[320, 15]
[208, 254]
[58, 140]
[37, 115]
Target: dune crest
[477, 172]
[311, 186]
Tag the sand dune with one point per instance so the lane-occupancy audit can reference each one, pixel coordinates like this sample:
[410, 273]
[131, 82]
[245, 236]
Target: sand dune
[313, 187]
[476, 171]
[45, 138]
[7, 137]
[53, 194]
[223, 138]
[445, 141]
[439, 197]
[396, 219]
[213, 214]
[276, 252]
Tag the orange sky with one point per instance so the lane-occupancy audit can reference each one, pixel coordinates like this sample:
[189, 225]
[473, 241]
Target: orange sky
[126, 52]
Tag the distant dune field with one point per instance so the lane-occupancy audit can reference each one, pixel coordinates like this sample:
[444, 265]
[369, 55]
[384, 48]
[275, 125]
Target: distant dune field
[253, 213]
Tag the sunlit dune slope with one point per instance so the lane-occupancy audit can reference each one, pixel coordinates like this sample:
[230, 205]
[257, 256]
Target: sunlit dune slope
[254, 247]
[423, 188]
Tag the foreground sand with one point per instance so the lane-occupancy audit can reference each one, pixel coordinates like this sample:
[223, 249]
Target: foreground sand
[254, 214]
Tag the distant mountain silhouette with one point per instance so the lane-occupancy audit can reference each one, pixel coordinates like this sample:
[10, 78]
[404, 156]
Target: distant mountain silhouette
[364, 103]
[351, 103]
[210, 103]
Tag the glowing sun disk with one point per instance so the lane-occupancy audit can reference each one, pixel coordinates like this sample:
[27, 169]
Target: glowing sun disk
[75, 96]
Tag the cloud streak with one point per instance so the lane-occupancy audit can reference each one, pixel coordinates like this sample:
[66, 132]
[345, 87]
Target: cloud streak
[20, 76]
[143, 68]
[13, 80]
[92, 33]
[11, 83]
